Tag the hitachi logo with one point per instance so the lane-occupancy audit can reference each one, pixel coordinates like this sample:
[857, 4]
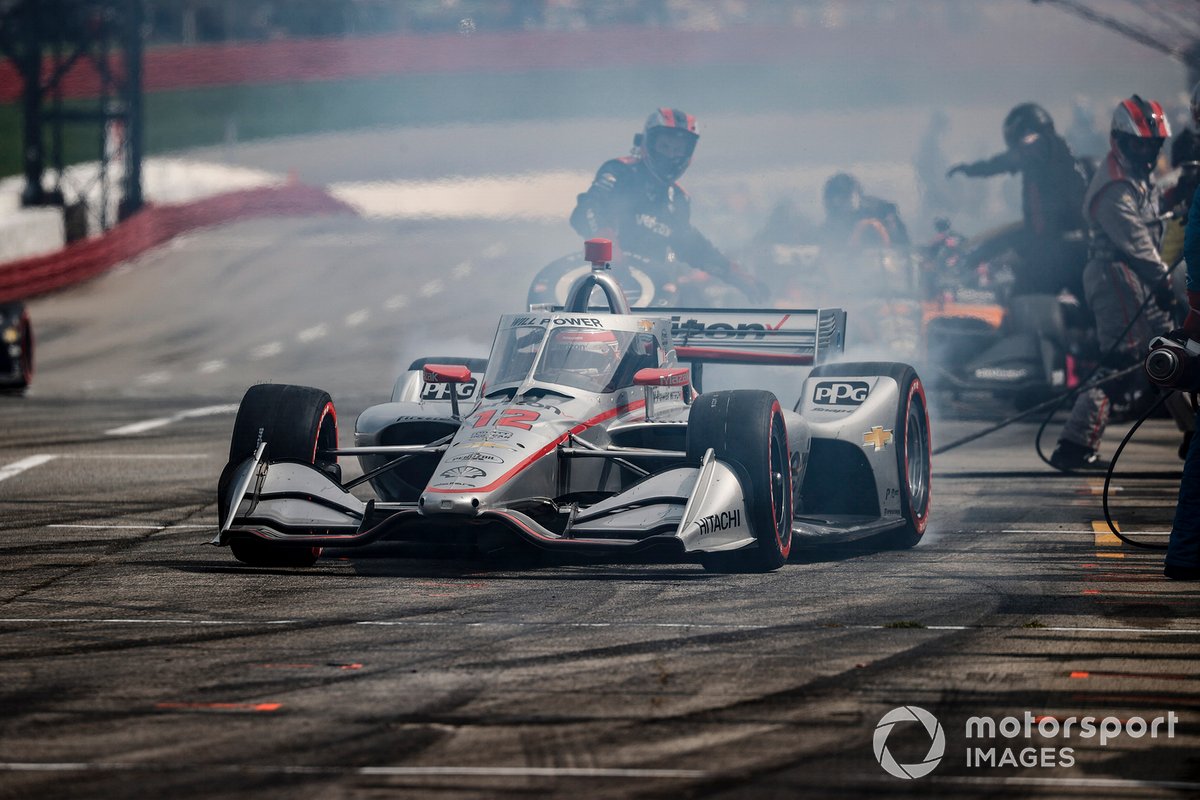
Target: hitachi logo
[719, 522]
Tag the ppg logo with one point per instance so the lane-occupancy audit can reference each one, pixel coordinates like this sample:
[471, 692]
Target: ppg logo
[441, 391]
[841, 393]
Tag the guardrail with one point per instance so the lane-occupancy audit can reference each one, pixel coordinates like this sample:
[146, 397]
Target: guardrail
[151, 227]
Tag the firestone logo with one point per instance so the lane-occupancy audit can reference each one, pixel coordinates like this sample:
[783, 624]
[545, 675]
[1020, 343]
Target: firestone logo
[937, 746]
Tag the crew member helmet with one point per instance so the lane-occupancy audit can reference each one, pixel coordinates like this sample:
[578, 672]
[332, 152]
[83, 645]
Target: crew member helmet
[1027, 125]
[667, 142]
[1139, 128]
[842, 195]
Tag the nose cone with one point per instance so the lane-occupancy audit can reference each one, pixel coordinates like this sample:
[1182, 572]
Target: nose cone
[438, 503]
[490, 463]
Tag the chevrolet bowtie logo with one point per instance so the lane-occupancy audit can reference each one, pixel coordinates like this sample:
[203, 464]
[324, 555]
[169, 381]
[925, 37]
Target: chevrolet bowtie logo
[878, 437]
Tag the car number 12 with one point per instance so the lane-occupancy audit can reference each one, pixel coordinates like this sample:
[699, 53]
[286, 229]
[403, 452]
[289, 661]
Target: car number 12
[511, 418]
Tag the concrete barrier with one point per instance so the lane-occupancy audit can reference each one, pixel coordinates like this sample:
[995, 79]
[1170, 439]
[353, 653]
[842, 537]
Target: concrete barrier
[152, 226]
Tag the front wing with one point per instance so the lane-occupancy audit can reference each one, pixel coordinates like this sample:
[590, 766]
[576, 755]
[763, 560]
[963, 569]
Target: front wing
[684, 509]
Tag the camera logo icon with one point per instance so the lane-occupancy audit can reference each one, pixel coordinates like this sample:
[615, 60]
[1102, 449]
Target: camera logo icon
[937, 742]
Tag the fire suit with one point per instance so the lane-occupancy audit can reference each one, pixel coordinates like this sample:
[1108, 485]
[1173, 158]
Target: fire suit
[1051, 240]
[649, 222]
[875, 223]
[1183, 548]
[1123, 269]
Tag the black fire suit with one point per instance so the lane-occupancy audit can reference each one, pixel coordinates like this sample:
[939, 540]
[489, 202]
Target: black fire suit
[649, 222]
[1123, 269]
[1051, 241]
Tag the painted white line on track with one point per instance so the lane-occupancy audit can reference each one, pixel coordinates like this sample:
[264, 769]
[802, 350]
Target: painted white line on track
[154, 378]
[431, 288]
[482, 772]
[159, 422]
[137, 456]
[266, 351]
[356, 318]
[17, 467]
[105, 526]
[209, 367]
[462, 270]
[313, 333]
[1098, 783]
[395, 301]
[495, 250]
[614, 625]
[1060, 530]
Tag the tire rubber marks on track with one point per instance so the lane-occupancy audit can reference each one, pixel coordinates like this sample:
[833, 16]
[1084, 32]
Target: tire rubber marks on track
[17, 467]
[480, 772]
[551, 625]
[159, 422]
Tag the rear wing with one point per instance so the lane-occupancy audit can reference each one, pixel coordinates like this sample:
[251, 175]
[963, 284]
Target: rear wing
[756, 336]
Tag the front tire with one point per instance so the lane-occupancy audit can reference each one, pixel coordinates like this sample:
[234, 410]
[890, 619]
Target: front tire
[298, 423]
[745, 428]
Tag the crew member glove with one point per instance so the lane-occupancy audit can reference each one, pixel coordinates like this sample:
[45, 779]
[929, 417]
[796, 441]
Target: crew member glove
[1164, 296]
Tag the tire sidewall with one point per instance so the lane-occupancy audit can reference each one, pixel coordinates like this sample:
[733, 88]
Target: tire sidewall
[913, 392]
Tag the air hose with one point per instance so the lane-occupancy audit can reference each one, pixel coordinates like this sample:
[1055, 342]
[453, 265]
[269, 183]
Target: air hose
[1108, 479]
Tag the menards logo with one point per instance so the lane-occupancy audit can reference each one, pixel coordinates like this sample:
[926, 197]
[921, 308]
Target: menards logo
[724, 330]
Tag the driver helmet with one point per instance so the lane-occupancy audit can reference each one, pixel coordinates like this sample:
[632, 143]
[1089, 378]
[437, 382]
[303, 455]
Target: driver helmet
[1026, 127]
[667, 142]
[842, 195]
[591, 353]
[1139, 128]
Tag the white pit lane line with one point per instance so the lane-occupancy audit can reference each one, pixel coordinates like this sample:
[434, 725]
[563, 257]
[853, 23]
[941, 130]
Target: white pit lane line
[17, 467]
[159, 422]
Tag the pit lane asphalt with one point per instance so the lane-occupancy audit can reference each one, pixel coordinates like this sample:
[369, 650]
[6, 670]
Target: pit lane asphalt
[136, 661]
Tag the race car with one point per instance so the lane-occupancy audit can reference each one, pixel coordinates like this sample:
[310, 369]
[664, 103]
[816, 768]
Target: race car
[586, 431]
[16, 351]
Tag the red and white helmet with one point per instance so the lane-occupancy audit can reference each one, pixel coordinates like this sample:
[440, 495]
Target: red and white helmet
[1143, 119]
[667, 143]
[1139, 128]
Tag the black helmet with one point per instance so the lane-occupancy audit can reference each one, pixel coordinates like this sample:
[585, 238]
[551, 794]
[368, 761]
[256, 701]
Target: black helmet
[1139, 128]
[1026, 124]
[667, 142]
[842, 195]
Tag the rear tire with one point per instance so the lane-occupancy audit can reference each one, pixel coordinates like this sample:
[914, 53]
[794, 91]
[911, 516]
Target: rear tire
[914, 460]
[745, 428]
[297, 423]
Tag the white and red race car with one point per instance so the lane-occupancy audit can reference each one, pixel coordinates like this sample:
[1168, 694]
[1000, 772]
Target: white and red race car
[585, 431]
